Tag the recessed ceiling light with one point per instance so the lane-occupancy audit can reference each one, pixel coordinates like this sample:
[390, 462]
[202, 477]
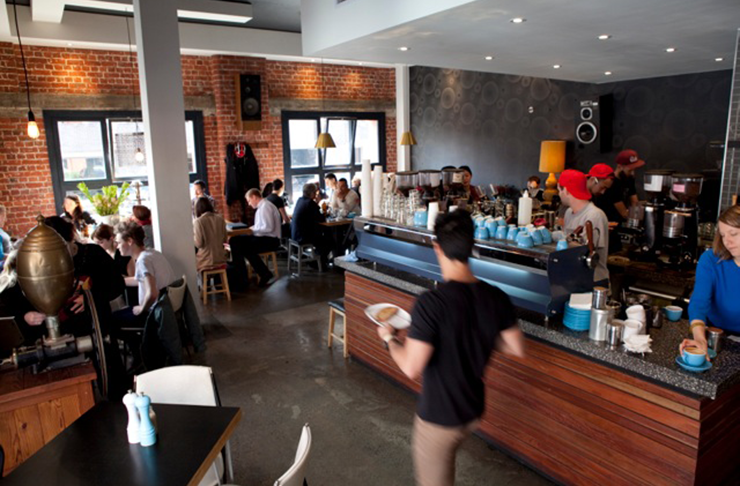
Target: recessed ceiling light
[607, 73]
[359, 63]
[604, 37]
[517, 20]
[489, 58]
[313, 60]
[403, 48]
[556, 66]
[719, 59]
[670, 49]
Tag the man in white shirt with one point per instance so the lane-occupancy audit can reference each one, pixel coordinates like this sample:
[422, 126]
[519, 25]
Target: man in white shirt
[575, 194]
[344, 200]
[265, 237]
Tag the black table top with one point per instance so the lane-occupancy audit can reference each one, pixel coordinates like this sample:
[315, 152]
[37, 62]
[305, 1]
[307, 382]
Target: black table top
[95, 449]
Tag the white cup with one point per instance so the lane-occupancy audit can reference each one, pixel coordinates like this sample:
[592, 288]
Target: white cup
[636, 312]
[631, 328]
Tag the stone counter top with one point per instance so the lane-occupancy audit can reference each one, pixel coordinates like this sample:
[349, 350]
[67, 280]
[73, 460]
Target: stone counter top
[659, 366]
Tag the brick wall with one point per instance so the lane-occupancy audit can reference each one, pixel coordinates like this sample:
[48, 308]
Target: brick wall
[24, 164]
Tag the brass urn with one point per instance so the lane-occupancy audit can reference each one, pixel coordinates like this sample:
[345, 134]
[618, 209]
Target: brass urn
[45, 272]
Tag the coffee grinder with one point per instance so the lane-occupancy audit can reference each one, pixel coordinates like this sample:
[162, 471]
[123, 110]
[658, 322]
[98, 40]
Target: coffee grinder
[681, 225]
[430, 182]
[657, 187]
[452, 184]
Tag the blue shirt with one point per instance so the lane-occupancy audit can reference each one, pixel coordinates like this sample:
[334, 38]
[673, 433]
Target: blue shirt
[716, 293]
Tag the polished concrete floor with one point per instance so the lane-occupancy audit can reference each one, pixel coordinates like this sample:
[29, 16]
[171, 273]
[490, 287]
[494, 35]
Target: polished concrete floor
[268, 351]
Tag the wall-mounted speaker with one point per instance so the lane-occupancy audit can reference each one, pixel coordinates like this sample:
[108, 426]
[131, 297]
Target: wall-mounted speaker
[248, 101]
[594, 122]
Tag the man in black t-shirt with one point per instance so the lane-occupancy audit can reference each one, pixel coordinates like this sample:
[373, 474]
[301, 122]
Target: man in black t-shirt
[454, 328]
[617, 199]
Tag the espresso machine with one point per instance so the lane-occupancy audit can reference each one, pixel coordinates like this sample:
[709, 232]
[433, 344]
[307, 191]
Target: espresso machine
[453, 186]
[407, 181]
[657, 188]
[681, 224]
[430, 182]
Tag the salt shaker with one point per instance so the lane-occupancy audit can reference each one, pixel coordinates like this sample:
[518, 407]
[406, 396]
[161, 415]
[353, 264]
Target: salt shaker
[147, 434]
[132, 430]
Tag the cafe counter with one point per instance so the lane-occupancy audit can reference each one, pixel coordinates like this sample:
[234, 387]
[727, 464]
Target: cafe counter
[573, 409]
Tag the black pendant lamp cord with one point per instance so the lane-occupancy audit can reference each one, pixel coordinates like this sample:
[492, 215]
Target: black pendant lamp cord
[23, 57]
[131, 60]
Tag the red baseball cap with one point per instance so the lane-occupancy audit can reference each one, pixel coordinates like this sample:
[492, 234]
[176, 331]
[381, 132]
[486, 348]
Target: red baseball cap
[629, 159]
[575, 182]
[601, 171]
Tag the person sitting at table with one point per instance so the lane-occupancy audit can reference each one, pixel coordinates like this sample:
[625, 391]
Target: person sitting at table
[472, 191]
[74, 213]
[307, 218]
[356, 183]
[143, 217]
[330, 184]
[273, 192]
[265, 237]
[199, 187]
[344, 200]
[152, 273]
[714, 301]
[105, 237]
[209, 230]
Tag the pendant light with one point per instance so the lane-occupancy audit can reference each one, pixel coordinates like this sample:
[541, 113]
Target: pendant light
[407, 138]
[325, 141]
[139, 155]
[33, 128]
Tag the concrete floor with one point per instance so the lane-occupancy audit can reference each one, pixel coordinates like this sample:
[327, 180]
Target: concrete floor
[269, 355]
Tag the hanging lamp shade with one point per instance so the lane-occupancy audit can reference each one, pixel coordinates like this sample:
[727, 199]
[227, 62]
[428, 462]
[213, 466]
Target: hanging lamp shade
[325, 141]
[408, 139]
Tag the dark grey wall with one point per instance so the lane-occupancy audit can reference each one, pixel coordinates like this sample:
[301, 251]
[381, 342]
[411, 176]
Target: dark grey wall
[494, 123]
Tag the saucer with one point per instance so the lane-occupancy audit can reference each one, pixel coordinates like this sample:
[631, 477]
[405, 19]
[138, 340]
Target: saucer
[696, 369]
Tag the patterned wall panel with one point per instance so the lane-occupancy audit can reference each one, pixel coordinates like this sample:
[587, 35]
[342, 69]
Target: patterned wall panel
[494, 123]
[731, 174]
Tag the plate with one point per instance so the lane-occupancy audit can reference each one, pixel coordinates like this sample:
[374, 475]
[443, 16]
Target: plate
[401, 319]
[695, 369]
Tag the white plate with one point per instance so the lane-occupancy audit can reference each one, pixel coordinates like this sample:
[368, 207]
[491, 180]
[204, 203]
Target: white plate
[400, 320]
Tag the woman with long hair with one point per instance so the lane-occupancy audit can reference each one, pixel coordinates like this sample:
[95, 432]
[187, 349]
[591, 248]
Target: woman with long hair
[74, 213]
[143, 217]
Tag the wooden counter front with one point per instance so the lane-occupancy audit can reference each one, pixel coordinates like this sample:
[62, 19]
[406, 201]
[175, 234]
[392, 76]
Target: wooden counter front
[35, 408]
[575, 420]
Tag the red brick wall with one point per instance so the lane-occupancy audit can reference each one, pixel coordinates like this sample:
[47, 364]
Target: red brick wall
[24, 163]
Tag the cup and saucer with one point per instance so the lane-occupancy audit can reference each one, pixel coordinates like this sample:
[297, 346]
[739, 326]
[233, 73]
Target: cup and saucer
[693, 360]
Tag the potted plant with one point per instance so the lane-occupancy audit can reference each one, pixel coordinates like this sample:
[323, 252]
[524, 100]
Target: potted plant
[108, 201]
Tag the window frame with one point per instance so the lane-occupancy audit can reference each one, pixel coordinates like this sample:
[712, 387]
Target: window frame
[322, 170]
[61, 187]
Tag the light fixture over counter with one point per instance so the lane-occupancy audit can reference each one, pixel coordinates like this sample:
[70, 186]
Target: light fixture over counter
[325, 141]
[32, 128]
[407, 138]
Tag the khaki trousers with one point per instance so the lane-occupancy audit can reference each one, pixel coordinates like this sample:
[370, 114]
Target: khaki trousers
[434, 448]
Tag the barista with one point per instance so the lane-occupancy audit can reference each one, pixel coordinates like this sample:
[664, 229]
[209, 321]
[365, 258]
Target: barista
[600, 179]
[534, 189]
[714, 300]
[617, 199]
[473, 193]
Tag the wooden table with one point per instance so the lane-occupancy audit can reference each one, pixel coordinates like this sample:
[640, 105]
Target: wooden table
[35, 408]
[238, 232]
[95, 449]
[337, 229]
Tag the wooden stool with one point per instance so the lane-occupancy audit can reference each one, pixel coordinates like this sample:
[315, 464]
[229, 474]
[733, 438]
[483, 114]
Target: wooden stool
[266, 258]
[336, 307]
[206, 289]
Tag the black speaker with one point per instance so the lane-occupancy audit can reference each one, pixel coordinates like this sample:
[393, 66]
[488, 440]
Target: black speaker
[594, 122]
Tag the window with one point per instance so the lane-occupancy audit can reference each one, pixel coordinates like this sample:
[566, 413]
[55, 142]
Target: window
[99, 148]
[357, 136]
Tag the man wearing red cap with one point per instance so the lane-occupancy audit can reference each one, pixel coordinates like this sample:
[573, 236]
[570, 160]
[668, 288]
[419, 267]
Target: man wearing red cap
[574, 193]
[617, 199]
[600, 178]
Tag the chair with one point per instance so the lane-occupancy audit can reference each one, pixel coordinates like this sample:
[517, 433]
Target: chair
[266, 258]
[296, 474]
[302, 253]
[188, 385]
[210, 288]
[336, 307]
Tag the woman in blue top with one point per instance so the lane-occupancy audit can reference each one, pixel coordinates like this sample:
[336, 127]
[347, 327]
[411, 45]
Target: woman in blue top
[716, 294]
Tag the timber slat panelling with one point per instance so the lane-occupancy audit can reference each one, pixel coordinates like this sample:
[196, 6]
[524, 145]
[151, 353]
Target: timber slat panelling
[577, 421]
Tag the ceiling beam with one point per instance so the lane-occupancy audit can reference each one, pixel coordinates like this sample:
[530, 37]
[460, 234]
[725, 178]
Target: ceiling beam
[47, 10]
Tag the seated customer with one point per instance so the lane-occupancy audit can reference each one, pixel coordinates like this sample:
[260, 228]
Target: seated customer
[209, 234]
[153, 273]
[5, 242]
[74, 213]
[344, 200]
[143, 217]
[273, 192]
[199, 187]
[105, 236]
[265, 237]
[305, 227]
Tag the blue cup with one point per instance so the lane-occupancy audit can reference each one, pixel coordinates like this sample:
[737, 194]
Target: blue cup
[673, 312]
[693, 356]
[562, 245]
[511, 234]
[480, 222]
[524, 240]
[501, 221]
[536, 237]
[546, 235]
[420, 219]
[501, 232]
[481, 233]
[492, 227]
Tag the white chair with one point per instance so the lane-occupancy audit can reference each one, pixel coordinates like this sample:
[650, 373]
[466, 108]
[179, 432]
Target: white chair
[296, 474]
[188, 385]
[177, 294]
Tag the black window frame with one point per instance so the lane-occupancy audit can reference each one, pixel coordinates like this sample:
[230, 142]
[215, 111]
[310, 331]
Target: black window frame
[52, 117]
[322, 170]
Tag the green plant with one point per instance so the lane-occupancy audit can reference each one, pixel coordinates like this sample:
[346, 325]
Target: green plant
[108, 201]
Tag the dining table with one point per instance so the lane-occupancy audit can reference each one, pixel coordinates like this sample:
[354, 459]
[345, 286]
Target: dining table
[95, 448]
[337, 230]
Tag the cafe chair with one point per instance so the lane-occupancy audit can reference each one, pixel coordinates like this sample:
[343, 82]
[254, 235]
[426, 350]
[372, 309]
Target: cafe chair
[302, 253]
[296, 474]
[336, 308]
[188, 385]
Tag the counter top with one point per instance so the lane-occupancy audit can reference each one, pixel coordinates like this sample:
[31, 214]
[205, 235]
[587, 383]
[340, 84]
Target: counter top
[658, 366]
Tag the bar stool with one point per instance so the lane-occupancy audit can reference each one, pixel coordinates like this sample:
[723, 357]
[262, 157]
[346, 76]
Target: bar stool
[208, 287]
[336, 307]
[266, 257]
[302, 253]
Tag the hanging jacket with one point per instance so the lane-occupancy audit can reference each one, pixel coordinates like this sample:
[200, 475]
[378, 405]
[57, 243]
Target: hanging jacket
[242, 172]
